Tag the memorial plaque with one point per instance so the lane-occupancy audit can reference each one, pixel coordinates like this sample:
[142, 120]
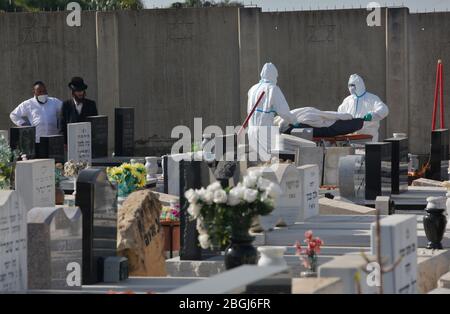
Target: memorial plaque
[399, 157]
[97, 199]
[287, 206]
[398, 240]
[309, 191]
[79, 142]
[124, 131]
[54, 248]
[13, 243]
[99, 136]
[439, 155]
[378, 170]
[52, 147]
[23, 139]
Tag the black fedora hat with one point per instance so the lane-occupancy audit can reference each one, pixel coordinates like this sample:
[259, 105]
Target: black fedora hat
[77, 84]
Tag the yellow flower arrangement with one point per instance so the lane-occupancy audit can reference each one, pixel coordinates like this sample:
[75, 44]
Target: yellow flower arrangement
[129, 177]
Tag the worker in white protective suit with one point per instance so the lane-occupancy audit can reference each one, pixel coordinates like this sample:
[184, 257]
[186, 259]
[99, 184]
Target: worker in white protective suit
[362, 104]
[261, 131]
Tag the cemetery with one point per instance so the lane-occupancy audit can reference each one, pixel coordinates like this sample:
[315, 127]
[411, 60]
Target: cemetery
[322, 215]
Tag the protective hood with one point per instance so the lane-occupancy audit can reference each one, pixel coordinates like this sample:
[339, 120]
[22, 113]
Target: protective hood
[357, 80]
[269, 73]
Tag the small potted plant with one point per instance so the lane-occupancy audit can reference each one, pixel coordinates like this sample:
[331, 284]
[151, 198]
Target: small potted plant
[309, 254]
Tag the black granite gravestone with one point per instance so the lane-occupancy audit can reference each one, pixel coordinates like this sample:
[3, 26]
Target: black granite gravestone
[23, 139]
[52, 147]
[378, 170]
[99, 136]
[193, 175]
[399, 158]
[124, 132]
[97, 199]
[439, 155]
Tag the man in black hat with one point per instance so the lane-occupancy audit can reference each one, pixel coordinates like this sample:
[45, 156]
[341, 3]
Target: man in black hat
[78, 108]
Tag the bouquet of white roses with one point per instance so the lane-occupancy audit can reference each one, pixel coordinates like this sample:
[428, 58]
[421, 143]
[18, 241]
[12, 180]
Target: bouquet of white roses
[219, 210]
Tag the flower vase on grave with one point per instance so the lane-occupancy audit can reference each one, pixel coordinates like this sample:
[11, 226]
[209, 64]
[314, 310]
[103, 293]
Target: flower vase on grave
[271, 256]
[151, 167]
[434, 221]
[240, 251]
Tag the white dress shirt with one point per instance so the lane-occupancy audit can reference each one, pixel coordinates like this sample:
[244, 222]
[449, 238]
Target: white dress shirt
[78, 106]
[44, 117]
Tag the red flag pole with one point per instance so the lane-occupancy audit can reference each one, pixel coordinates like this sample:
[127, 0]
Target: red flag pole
[441, 89]
[251, 113]
[436, 92]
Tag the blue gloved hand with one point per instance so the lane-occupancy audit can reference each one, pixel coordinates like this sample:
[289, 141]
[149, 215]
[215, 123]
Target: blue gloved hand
[296, 125]
[368, 117]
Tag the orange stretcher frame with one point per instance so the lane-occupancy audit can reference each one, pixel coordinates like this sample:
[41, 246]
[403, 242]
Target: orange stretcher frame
[343, 138]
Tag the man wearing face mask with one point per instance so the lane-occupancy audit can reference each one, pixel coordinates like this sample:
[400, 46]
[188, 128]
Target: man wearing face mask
[40, 111]
[362, 104]
[79, 107]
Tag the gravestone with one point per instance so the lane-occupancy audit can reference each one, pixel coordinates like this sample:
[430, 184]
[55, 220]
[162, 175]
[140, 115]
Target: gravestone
[79, 142]
[439, 155]
[171, 171]
[99, 135]
[378, 170]
[331, 164]
[35, 182]
[124, 131]
[13, 242]
[398, 239]
[309, 156]
[54, 248]
[352, 176]
[52, 147]
[309, 191]
[193, 175]
[97, 199]
[399, 158]
[23, 139]
[140, 234]
[287, 206]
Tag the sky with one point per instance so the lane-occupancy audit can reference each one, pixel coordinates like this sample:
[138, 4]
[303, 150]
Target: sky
[290, 5]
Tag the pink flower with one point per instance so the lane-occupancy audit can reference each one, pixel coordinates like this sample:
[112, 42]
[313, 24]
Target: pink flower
[308, 235]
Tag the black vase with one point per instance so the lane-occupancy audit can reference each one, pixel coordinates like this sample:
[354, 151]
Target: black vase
[240, 251]
[434, 223]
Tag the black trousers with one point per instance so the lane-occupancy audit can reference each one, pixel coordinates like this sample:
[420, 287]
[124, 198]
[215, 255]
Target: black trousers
[340, 127]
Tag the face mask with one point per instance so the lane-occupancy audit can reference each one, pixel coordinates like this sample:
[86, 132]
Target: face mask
[352, 89]
[42, 98]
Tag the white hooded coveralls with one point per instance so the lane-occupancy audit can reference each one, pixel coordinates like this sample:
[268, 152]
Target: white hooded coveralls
[360, 103]
[261, 124]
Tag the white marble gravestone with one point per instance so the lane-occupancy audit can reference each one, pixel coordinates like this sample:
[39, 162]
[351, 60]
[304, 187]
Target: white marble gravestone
[309, 191]
[35, 182]
[79, 142]
[172, 172]
[398, 239]
[287, 206]
[13, 242]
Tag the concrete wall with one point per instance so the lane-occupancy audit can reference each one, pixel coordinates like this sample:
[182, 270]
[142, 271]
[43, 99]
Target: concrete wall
[40, 46]
[317, 51]
[428, 40]
[175, 65]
